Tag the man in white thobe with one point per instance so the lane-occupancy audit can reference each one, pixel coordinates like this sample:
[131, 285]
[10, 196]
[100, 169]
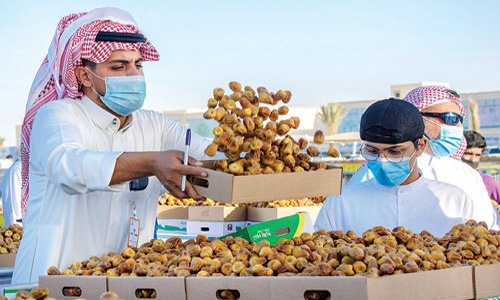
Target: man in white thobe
[443, 114]
[11, 195]
[392, 131]
[87, 147]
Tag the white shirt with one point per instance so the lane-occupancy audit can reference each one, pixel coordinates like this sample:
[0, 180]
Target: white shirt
[73, 212]
[454, 172]
[421, 205]
[11, 194]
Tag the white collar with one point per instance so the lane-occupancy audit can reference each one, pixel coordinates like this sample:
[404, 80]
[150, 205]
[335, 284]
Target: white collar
[102, 118]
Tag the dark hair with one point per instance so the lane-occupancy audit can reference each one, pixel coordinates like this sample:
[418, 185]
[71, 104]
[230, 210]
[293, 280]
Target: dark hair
[9, 156]
[474, 139]
[90, 64]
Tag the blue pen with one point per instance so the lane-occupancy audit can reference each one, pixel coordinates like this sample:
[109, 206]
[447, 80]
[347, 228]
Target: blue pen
[186, 156]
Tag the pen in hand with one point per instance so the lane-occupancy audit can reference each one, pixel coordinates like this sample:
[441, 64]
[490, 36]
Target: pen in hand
[186, 157]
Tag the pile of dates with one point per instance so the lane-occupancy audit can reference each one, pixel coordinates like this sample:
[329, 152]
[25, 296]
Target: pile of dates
[43, 294]
[169, 200]
[299, 202]
[377, 252]
[10, 237]
[249, 125]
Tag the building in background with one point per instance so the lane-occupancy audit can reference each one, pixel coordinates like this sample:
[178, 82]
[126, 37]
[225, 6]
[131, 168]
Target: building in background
[489, 115]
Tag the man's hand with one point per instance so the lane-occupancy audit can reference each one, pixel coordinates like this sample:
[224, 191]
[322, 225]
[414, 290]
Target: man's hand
[169, 169]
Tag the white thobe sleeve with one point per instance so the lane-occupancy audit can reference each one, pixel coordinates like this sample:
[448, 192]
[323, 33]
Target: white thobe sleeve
[58, 152]
[326, 219]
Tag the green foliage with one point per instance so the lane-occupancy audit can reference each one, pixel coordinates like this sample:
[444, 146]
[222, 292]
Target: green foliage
[332, 114]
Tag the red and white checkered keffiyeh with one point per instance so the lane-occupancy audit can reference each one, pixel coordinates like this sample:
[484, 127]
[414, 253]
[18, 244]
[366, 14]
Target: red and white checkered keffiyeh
[74, 39]
[426, 96]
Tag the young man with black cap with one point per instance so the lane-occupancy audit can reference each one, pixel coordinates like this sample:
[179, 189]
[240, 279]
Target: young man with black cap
[392, 131]
[443, 113]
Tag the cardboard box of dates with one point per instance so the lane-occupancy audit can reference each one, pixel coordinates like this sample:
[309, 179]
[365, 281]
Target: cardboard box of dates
[264, 162]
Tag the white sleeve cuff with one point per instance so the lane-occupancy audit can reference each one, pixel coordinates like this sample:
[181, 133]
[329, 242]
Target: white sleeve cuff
[98, 168]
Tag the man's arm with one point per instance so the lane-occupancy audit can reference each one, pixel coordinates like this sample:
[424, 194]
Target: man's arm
[167, 166]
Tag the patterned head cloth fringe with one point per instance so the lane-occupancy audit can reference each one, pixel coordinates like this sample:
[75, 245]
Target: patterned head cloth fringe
[74, 39]
[426, 96]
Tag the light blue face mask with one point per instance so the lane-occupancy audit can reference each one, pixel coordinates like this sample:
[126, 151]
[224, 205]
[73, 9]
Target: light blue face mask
[389, 173]
[124, 94]
[448, 142]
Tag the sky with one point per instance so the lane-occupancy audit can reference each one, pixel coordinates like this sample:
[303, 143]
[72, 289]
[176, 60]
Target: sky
[322, 51]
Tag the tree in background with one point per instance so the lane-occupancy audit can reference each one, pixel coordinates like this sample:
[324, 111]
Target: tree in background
[332, 114]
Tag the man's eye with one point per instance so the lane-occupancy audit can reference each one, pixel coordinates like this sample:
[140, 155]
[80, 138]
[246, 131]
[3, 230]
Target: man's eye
[393, 151]
[139, 66]
[371, 151]
[117, 67]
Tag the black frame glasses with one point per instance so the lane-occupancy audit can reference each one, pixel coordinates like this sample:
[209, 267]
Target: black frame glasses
[449, 118]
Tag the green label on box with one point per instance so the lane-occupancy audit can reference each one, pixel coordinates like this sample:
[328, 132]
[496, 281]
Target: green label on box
[274, 230]
[171, 228]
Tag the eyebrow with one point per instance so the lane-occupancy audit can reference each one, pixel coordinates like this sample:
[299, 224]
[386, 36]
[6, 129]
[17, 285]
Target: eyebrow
[124, 61]
[392, 147]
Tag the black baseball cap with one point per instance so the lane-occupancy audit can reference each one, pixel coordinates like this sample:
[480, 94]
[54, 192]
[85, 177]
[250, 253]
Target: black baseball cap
[391, 121]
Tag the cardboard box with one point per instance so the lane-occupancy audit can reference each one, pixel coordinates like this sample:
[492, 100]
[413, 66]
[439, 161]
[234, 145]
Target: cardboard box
[267, 187]
[167, 288]
[10, 291]
[7, 260]
[217, 213]
[487, 281]
[273, 231]
[92, 287]
[453, 283]
[264, 214]
[171, 226]
[248, 223]
[172, 212]
[210, 287]
[214, 229]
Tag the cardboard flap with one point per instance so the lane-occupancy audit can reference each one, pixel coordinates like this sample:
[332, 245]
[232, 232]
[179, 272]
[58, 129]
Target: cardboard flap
[225, 187]
[7, 260]
[171, 288]
[210, 287]
[92, 287]
[172, 212]
[217, 213]
[452, 283]
[338, 288]
[487, 281]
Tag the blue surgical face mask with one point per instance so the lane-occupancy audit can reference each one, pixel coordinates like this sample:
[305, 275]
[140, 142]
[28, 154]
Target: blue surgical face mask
[124, 94]
[391, 174]
[448, 142]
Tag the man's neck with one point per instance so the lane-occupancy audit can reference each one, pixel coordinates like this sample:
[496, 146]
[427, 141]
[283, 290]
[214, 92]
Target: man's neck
[97, 100]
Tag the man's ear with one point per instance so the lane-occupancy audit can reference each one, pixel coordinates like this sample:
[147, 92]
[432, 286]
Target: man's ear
[421, 145]
[83, 75]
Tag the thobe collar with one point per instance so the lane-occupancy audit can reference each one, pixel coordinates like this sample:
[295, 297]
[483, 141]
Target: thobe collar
[102, 118]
